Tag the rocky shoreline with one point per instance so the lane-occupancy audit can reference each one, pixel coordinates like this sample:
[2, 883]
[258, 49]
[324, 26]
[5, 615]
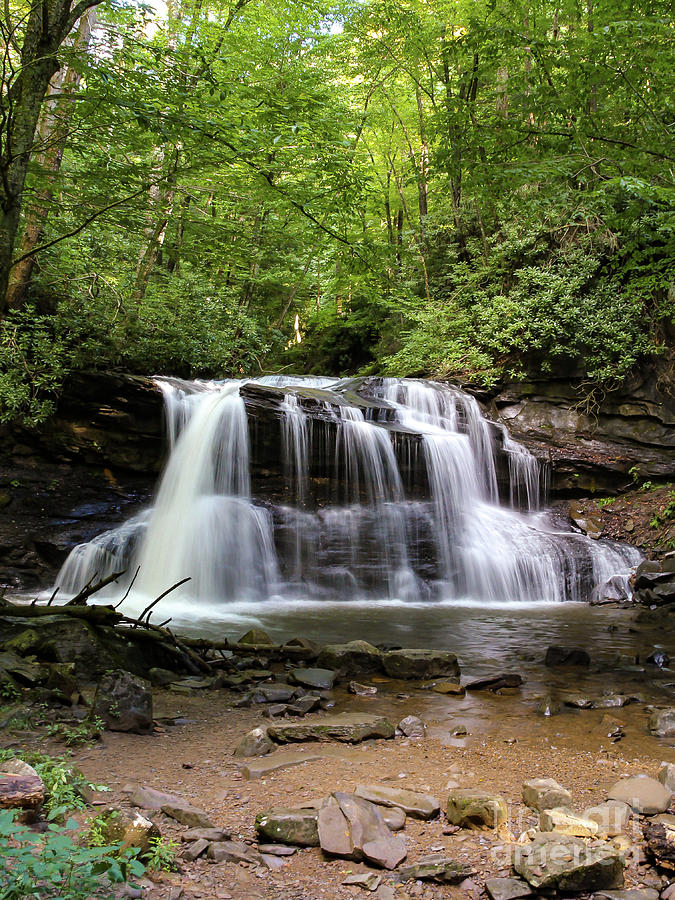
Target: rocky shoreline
[320, 717]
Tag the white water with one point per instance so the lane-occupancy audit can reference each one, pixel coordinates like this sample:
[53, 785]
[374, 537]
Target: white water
[348, 527]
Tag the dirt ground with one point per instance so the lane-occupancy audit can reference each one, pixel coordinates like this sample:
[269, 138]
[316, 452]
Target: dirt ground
[508, 742]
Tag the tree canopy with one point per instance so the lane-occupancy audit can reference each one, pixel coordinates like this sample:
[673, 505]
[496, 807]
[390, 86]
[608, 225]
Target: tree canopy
[469, 189]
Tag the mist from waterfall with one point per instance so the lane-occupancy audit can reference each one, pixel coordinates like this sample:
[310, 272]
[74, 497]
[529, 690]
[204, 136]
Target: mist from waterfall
[396, 490]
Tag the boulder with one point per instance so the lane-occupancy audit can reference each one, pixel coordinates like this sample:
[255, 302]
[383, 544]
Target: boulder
[566, 656]
[131, 829]
[507, 888]
[564, 821]
[255, 637]
[545, 793]
[472, 808]
[289, 826]
[254, 743]
[320, 679]
[303, 705]
[411, 727]
[352, 827]
[662, 722]
[611, 817]
[20, 791]
[62, 679]
[348, 728]
[437, 868]
[353, 658]
[414, 803]
[568, 864]
[186, 814]
[417, 664]
[646, 796]
[667, 776]
[124, 702]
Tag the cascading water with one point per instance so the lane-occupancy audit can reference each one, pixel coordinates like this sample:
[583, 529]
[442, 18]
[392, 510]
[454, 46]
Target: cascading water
[311, 489]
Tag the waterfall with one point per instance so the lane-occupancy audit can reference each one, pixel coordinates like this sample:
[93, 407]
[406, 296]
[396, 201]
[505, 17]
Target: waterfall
[318, 489]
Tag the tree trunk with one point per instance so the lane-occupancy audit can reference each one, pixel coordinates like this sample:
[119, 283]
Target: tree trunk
[47, 25]
[53, 132]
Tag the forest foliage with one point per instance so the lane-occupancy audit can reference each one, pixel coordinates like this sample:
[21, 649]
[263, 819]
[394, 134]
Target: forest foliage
[471, 189]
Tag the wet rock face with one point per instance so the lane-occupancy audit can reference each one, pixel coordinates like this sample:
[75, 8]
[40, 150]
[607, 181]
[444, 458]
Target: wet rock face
[592, 450]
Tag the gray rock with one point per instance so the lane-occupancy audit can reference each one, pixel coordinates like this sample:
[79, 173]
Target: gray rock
[275, 710]
[370, 881]
[352, 827]
[353, 658]
[151, 798]
[196, 849]
[667, 776]
[289, 826]
[235, 851]
[418, 664]
[161, 677]
[578, 701]
[303, 705]
[646, 796]
[347, 728]
[211, 835]
[131, 829]
[507, 888]
[472, 808]
[662, 722]
[412, 727]
[413, 803]
[611, 817]
[545, 793]
[394, 818]
[362, 690]
[124, 702]
[256, 742]
[635, 894]
[186, 814]
[554, 861]
[322, 679]
[440, 869]
[276, 850]
[26, 672]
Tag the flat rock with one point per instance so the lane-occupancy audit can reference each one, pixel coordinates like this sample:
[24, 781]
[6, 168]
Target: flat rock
[256, 742]
[276, 850]
[187, 814]
[289, 826]
[611, 817]
[303, 705]
[353, 658]
[205, 834]
[370, 881]
[496, 682]
[362, 690]
[196, 849]
[470, 808]
[417, 664]
[322, 679]
[646, 796]
[667, 776]
[347, 727]
[545, 793]
[662, 722]
[554, 861]
[507, 888]
[564, 821]
[352, 827]
[281, 759]
[452, 688]
[413, 803]
[235, 851]
[634, 894]
[440, 869]
[150, 798]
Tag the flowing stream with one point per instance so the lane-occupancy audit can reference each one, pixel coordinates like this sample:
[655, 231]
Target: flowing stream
[301, 491]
